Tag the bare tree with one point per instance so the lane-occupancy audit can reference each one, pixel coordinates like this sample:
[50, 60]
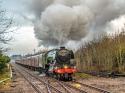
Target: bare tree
[108, 54]
[5, 24]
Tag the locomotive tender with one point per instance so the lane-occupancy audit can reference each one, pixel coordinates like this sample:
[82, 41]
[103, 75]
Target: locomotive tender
[58, 63]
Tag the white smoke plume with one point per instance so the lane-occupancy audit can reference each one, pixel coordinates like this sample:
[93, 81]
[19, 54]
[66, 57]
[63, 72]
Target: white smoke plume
[60, 21]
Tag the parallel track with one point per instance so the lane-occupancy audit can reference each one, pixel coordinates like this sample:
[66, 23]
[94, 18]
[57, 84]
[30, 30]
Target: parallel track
[30, 79]
[62, 88]
[93, 87]
[67, 86]
[84, 87]
[68, 89]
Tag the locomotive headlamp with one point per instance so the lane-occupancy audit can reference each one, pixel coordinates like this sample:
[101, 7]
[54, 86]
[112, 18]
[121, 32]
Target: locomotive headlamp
[65, 66]
[56, 67]
[74, 67]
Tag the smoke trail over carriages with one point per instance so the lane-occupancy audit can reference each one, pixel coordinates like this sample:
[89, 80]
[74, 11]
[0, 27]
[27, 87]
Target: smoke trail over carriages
[59, 21]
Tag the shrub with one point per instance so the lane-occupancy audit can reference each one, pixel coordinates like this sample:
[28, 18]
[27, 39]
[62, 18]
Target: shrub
[3, 61]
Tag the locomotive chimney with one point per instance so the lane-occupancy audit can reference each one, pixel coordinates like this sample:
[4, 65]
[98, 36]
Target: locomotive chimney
[62, 47]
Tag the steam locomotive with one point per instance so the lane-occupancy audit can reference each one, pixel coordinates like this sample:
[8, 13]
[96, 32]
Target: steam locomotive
[58, 63]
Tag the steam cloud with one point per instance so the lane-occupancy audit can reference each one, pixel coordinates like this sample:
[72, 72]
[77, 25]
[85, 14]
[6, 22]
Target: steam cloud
[60, 21]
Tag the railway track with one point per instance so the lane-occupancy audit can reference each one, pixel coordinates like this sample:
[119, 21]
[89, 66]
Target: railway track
[80, 88]
[77, 87]
[55, 86]
[60, 84]
[85, 87]
[33, 82]
[38, 85]
[52, 86]
[92, 87]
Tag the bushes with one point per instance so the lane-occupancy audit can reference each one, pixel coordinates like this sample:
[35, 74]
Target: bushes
[108, 54]
[3, 61]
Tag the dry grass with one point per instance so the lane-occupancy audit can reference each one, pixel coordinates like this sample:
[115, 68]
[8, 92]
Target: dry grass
[82, 75]
[6, 84]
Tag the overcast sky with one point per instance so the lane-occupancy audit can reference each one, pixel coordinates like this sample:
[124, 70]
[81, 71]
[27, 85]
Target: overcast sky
[24, 39]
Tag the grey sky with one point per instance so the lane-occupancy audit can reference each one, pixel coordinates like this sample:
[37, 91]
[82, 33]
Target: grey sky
[100, 15]
[16, 8]
[24, 40]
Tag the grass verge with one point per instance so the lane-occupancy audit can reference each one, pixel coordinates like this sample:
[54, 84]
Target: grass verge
[82, 75]
[4, 75]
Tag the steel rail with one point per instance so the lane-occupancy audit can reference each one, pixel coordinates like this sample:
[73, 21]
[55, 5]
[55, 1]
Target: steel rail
[65, 85]
[66, 89]
[48, 89]
[93, 87]
[81, 91]
[45, 83]
[36, 89]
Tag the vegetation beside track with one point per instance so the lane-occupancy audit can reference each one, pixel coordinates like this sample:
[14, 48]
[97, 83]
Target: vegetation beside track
[5, 76]
[82, 75]
[4, 71]
[106, 54]
[3, 62]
